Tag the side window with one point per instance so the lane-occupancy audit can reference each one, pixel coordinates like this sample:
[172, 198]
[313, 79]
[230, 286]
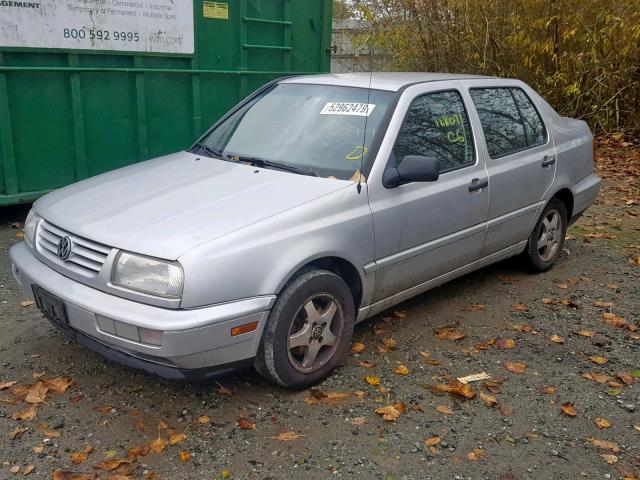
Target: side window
[500, 119]
[437, 125]
[533, 126]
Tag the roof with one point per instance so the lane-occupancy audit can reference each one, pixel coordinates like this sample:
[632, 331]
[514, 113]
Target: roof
[392, 81]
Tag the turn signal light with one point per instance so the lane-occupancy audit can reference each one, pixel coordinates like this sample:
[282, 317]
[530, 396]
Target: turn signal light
[246, 328]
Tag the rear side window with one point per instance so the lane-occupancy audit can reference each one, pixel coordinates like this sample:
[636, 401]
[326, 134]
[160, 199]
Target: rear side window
[437, 125]
[533, 126]
[509, 120]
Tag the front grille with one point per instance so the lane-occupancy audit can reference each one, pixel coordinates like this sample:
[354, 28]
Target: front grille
[87, 257]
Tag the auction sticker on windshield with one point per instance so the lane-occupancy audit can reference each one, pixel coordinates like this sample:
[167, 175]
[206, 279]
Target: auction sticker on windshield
[346, 108]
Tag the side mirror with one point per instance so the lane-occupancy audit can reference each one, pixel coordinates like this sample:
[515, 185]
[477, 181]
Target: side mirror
[412, 168]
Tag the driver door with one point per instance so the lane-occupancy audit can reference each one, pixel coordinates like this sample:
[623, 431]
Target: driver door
[425, 230]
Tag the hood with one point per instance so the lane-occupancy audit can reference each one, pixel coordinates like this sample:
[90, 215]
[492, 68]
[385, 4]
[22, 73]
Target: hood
[167, 206]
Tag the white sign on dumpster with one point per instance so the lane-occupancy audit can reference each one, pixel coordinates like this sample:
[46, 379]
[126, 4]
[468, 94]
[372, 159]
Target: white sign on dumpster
[159, 26]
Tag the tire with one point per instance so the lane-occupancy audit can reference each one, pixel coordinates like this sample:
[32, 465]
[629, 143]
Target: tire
[543, 250]
[313, 318]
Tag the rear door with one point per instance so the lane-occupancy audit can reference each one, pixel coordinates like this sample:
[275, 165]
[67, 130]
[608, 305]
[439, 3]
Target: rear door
[520, 158]
[426, 229]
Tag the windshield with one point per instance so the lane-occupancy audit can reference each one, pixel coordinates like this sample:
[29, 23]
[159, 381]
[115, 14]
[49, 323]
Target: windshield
[315, 128]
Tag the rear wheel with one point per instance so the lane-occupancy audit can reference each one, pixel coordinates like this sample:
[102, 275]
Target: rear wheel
[547, 239]
[308, 331]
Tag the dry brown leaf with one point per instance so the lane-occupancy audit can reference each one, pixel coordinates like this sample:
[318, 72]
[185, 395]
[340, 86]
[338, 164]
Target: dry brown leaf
[549, 301]
[389, 344]
[432, 361]
[287, 436]
[158, 445]
[401, 314]
[372, 380]
[5, 385]
[586, 333]
[62, 475]
[475, 455]
[626, 378]
[556, 339]
[602, 422]
[27, 414]
[402, 370]
[37, 393]
[366, 364]
[476, 307]
[520, 307]
[104, 409]
[433, 441]
[329, 398]
[455, 387]
[449, 332]
[245, 424]
[569, 409]
[176, 438]
[359, 394]
[600, 303]
[598, 359]
[358, 347]
[112, 464]
[389, 413]
[224, 391]
[78, 457]
[523, 328]
[562, 286]
[17, 432]
[139, 451]
[58, 385]
[505, 343]
[204, 419]
[596, 377]
[184, 456]
[515, 367]
[613, 320]
[28, 469]
[26, 303]
[488, 399]
[609, 458]
[52, 433]
[605, 445]
[506, 410]
[358, 421]
[444, 410]
[548, 390]
[493, 385]
[508, 278]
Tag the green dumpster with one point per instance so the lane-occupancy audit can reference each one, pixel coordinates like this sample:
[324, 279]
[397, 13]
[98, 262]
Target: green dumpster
[87, 86]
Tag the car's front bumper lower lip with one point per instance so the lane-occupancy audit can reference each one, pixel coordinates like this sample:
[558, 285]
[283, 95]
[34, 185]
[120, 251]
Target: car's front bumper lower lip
[194, 343]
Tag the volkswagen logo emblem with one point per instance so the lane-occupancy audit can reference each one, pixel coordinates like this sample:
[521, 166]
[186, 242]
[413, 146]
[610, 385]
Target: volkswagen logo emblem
[64, 248]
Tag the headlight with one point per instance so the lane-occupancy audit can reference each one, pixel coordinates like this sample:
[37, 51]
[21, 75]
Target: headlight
[30, 225]
[148, 275]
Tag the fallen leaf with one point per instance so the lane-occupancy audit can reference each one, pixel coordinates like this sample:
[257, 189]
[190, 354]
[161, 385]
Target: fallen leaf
[614, 392]
[515, 367]
[508, 279]
[204, 419]
[475, 455]
[52, 433]
[602, 422]
[15, 469]
[626, 378]
[358, 347]
[158, 445]
[506, 410]
[601, 304]
[455, 387]
[569, 303]
[402, 370]
[358, 421]
[287, 436]
[400, 314]
[329, 398]
[449, 332]
[569, 409]
[176, 438]
[523, 328]
[476, 377]
[28, 414]
[104, 409]
[17, 432]
[245, 424]
[493, 385]
[596, 377]
[112, 464]
[27, 303]
[444, 410]
[37, 393]
[184, 456]
[139, 451]
[556, 339]
[476, 307]
[613, 320]
[389, 343]
[432, 361]
[520, 307]
[5, 385]
[549, 301]
[58, 385]
[609, 458]
[28, 469]
[548, 390]
[562, 286]
[598, 359]
[366, 364]
[224, 391]
[62, 475]
[389, 413]
[488, 399]
[359, 394]
[225, 473]
[604, 444]
[505, 344]
[433, 441]
[586, 333]
[78, 457]
[371, 380]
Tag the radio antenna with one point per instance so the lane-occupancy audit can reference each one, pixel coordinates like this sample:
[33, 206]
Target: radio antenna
[366, 118]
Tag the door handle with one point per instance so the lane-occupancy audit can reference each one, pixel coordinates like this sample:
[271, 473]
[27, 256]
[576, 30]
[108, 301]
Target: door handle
[547, 161]
[478, 183]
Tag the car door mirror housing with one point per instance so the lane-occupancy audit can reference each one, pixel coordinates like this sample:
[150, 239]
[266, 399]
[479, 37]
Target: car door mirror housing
[412, 168]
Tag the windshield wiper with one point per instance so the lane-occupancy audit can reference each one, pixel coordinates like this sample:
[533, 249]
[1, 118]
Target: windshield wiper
[262, 163]
[210, 150]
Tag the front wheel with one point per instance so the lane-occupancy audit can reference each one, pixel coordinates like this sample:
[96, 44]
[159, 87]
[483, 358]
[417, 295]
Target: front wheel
[547, 239]
[308, 331]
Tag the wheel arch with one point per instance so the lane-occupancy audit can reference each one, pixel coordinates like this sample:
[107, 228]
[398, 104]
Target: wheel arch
[565, 196]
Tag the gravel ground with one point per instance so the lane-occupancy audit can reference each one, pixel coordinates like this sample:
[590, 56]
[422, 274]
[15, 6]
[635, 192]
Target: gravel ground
[516, 431]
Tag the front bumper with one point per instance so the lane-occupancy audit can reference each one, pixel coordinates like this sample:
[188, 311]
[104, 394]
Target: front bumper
[195, 343]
